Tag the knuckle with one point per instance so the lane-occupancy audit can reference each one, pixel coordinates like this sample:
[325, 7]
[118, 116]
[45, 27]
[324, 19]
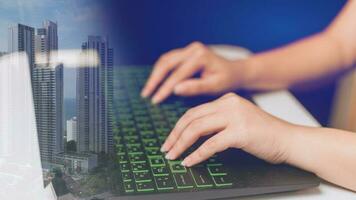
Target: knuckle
[165, 57]
[196, 44]
[184, 138]
[195, 125]
[230, 95]
[190, 113]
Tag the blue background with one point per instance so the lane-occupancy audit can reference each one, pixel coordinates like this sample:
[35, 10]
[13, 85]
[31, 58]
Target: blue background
[141, 30]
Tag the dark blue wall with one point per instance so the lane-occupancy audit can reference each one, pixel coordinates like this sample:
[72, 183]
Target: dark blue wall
[141, 30]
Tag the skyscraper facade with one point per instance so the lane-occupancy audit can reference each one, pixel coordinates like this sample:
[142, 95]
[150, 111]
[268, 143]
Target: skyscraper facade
[47, 80]
[48, 99]
[94, 98]
[21, 39]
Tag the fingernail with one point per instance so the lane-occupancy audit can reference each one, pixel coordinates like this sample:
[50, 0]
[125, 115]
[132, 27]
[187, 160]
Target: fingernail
[155, 100]
[178, 89]
[163, 148]
[168, 156]
[186, 162]
[144, 93]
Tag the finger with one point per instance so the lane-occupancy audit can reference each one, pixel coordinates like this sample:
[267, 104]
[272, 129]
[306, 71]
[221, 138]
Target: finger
[194, 86]
[215, 144]
[187, 69]
[200, 127]
[185, 120]
[163, 66]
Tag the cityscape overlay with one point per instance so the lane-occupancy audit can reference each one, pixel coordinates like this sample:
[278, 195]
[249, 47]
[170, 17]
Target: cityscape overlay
[69, 149]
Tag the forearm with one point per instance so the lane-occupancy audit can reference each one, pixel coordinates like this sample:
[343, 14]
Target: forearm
[325, 54]
[306, 60]
[329, 153]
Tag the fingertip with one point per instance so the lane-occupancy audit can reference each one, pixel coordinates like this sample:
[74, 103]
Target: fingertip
[187, 162]
[144, 93]
[155, 100]
[179, 89]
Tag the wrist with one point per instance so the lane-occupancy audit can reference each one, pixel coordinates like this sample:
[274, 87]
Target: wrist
[248, 71]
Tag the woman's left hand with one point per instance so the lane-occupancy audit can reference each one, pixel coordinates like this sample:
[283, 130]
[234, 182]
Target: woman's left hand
[237, 123]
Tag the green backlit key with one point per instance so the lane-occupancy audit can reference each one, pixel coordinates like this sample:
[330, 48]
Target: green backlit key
[129, 186]
[142, 177]
[132, 139]
[134, 148]
[123, 158]
[156, 161]
[201, 177]
[137, 158]
[216, 170]
[160, 171]
[222, 180]
[145, 186]
[140, 167]
[176, 166]
[124, 167]
[164, 183]
[183, 180]
[120, 149]
[153, 151]
[127, 176]
[150, 142]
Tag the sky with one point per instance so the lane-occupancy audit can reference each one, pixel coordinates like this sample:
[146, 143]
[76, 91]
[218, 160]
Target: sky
[76, 20]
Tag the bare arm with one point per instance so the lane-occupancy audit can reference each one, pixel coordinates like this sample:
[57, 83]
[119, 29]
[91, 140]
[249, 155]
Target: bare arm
[325, 54]
[329, 153]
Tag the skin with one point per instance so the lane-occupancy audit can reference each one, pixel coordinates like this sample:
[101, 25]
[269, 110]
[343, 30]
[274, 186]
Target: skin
[327, 152]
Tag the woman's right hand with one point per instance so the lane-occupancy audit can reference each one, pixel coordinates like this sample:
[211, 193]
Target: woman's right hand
[218, 75]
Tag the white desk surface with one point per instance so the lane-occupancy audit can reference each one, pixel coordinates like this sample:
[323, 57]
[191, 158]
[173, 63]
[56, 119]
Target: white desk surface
[284, 105]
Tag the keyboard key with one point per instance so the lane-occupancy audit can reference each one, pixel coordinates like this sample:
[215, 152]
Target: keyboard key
[142, 177]
[164, 183]
[129, 187]
[123, 158]
[163, 131]
[120, 149]
[216, 170]
[126, 176]
[201, 177]
[184, 180]
[153, 151]
[176, 166]
[124, 167]
[134, 148]
[145, 186]
[137, 158]
[140, 167]
[156, 161]
[150, 142]
[132, 139]
[222, 181]
[160, 171]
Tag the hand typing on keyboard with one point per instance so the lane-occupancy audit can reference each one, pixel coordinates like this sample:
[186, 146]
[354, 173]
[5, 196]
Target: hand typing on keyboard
[237, 123]
[218, 75]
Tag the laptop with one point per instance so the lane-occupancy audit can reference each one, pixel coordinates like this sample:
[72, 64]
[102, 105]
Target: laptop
[140, 129]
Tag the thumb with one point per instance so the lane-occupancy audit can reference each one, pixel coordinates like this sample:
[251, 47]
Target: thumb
[192, 87]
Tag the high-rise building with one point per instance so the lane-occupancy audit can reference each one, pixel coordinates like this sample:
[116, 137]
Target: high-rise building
[48, 99]
[21, 39]
[46, 39]
[47, 80]
[72, 129]
[94, 98]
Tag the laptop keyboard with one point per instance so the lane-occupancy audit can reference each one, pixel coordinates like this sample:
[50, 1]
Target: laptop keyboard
[140, 129]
